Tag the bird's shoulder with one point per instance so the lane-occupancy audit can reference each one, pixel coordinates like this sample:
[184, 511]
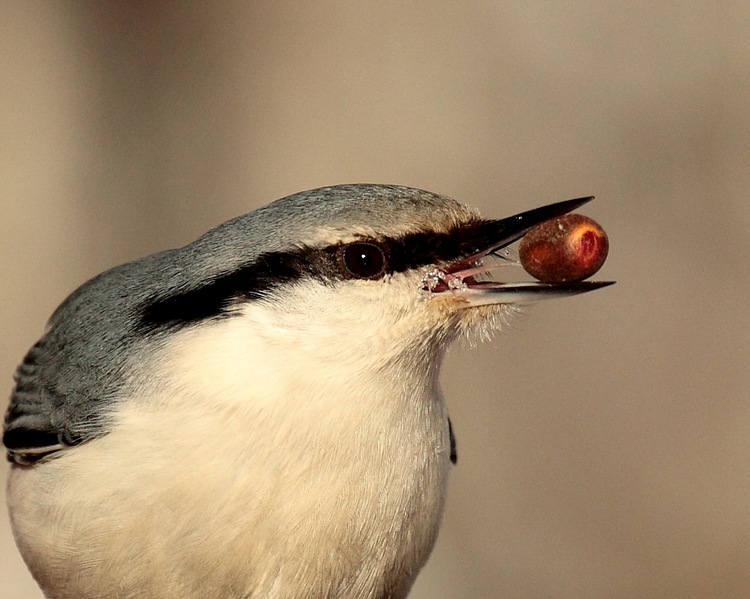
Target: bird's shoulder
[34, 425]
[69, 377]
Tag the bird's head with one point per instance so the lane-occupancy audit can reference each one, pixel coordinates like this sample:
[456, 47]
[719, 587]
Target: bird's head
[353, 274]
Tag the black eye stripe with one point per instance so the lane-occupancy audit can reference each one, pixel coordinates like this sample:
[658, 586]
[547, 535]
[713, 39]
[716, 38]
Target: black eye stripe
[215, 298]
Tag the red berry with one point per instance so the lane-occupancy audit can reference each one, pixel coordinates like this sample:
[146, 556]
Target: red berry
[566, 249]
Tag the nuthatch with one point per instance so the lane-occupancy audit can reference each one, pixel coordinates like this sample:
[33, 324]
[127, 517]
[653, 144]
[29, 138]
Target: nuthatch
[257, 414]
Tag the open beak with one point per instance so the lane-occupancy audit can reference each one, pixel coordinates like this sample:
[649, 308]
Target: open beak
[481, 240]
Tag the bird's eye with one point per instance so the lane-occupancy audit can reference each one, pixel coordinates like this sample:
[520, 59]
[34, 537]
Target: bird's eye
[364, 260]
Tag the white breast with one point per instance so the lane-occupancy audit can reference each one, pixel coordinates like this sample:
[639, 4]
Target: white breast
[246, 476]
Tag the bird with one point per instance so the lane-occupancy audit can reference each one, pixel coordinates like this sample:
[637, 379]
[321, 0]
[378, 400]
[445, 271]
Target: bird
[258, 414]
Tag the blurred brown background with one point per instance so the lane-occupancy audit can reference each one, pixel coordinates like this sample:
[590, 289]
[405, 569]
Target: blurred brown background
[604, 441]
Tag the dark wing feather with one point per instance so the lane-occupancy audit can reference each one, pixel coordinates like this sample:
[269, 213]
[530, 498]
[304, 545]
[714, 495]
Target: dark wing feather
[29, 432]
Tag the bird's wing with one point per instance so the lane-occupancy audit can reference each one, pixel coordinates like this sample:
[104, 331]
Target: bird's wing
[46, 415]
[30, 432]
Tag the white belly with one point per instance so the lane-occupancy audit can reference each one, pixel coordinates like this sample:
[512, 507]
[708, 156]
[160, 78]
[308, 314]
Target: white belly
[178, 502]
